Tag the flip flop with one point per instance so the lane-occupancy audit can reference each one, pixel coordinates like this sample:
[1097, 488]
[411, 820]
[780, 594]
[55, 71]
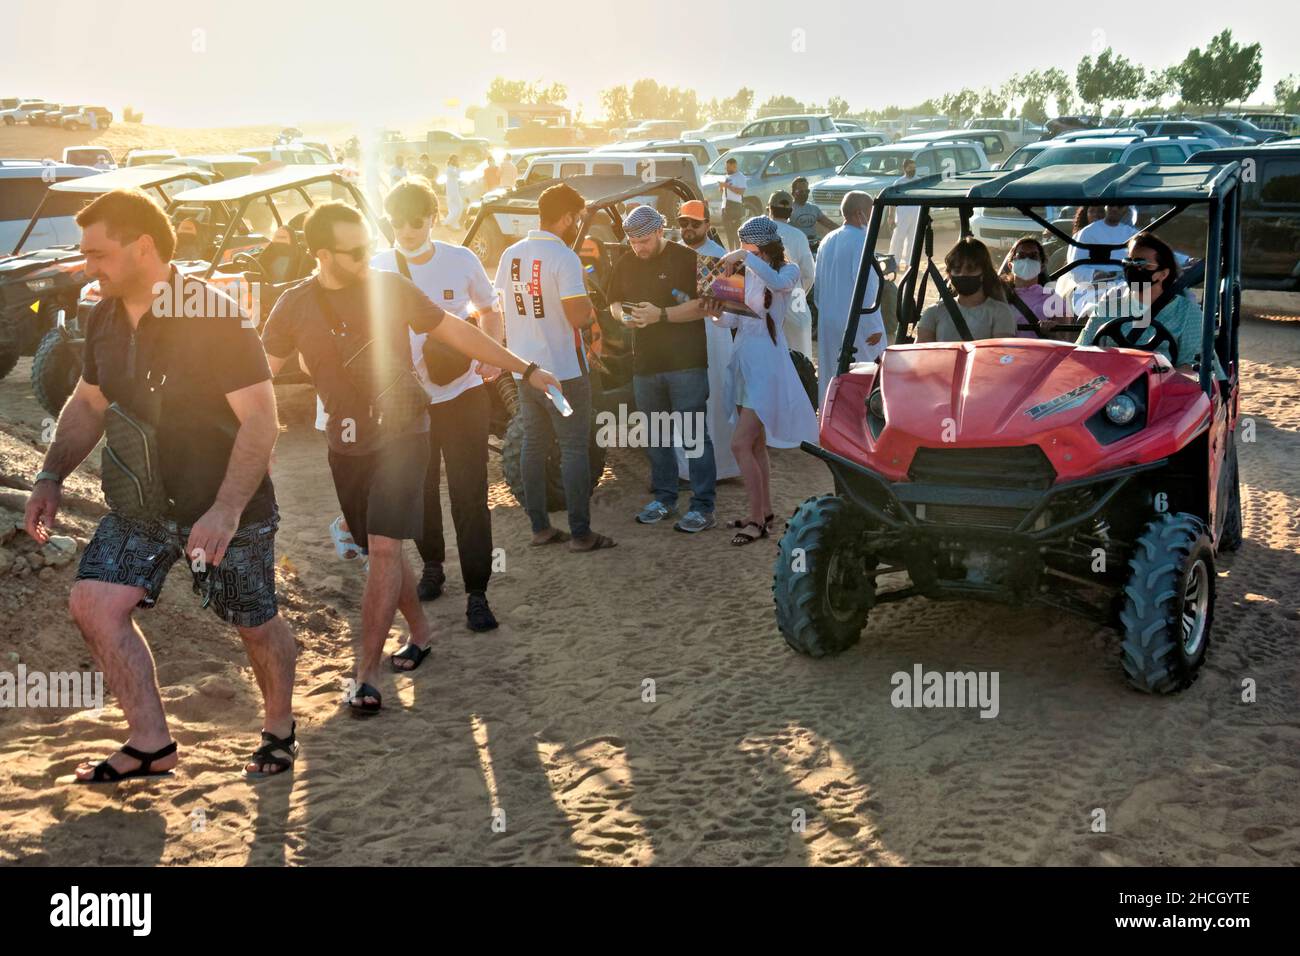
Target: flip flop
[559, 537]
[411, 652]
[105, 772]
[600, 544]
[359, 707]
[277, 751]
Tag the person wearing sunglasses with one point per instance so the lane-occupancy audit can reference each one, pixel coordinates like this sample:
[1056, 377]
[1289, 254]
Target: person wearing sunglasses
[1150, 273]
[1024, 271]
[352, 327]
[459, 411]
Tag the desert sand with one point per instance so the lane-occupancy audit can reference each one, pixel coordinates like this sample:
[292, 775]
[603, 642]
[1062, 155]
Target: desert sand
[545, 727]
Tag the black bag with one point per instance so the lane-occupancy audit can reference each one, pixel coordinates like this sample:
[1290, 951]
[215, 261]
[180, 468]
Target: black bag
[131, 466]
[394, 399]
[443, 363]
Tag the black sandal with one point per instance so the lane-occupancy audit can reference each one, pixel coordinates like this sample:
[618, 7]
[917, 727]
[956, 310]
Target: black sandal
[270, 751]
[745, 522]
[742, 537]
[411, 652]
[105, 772]
[359, 707]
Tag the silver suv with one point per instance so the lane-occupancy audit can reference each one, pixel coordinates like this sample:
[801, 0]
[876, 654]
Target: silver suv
[771, 129]
[769, 167]
[871, 170]
[999, 229]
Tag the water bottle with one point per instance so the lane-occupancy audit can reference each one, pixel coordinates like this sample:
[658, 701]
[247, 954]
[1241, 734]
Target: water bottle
[680, 296]
[559, 401]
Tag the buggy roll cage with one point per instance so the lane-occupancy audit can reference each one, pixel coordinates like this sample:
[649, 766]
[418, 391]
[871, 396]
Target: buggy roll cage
[1215, 186]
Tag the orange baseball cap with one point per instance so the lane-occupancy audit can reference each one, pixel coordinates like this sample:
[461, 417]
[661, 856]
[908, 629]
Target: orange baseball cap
[693, 209]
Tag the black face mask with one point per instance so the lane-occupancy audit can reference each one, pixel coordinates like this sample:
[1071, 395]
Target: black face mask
[1136, 275]
[966, 285]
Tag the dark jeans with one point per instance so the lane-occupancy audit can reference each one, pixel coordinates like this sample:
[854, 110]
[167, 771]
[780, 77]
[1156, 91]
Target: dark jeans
[685, 391]
[458, 433]
[543, 424]
[733, 214]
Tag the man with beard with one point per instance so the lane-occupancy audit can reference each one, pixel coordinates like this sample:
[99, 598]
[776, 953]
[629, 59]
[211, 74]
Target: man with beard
[351, 327]
[543, 297]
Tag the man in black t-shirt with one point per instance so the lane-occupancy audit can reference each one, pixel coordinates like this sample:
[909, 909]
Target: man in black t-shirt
[173, 354]
[653, 290]
[378, 463]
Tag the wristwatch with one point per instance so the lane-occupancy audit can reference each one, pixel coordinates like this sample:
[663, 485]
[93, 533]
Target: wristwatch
[663, 314]
[53, 476]
[532, 367]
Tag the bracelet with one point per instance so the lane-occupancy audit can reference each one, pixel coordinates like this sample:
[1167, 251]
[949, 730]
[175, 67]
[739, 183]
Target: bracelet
[532, 367]
[53, 476]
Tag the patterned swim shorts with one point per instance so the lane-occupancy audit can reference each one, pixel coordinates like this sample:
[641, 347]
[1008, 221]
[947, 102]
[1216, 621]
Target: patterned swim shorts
[241, 590]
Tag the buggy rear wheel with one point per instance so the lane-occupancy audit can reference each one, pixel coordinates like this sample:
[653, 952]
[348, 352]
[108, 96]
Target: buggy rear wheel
[822, 583]
[1168, 604]
[807, 375]
[512, 443]
[9, 347]
[1231, 534]
[55, 370]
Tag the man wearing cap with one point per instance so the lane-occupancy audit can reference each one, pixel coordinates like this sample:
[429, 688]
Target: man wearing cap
[653, 290]
[807, 216]
[798, 321]
[693, 221]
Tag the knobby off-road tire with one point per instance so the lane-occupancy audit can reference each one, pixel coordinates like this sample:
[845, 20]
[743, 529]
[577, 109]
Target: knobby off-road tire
[512, 444]
[807, 375]
[55, 370]
[1168, 604]
[10, 348]
[821, 583]
[1231, 535]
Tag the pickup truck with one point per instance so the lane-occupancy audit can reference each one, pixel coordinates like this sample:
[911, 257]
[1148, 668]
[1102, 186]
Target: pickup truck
[439, 144]
[22, 111]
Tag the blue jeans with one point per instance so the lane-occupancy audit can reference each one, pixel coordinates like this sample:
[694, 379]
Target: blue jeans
[687, 392]
[542, 424]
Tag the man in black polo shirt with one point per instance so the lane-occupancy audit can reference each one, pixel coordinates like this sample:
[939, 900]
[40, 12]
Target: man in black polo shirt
[177, 355]
[378, 463]
[653, 289]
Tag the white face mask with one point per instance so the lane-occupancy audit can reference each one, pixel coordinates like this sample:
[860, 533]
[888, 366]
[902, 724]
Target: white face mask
[416, 253]
[1026, 268]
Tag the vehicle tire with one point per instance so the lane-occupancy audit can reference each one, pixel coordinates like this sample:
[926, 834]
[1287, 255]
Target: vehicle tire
[511, 465]
[10, 121]
[72, 125]
[504, 397]
[55, 370]
[807, 375]
[1168, 604]
[10, 348]
[488, 244]
[1231, 535]
[821, 586]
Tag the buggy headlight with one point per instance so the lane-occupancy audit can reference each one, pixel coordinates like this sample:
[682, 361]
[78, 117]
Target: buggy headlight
[876, 404]
[1121, 409]
[40, 285]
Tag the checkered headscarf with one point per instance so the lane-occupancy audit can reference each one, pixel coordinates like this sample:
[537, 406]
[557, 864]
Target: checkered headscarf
[759, 230]
[642, 221]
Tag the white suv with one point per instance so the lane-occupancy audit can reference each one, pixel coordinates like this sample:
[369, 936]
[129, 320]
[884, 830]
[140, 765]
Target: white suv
[871, 170]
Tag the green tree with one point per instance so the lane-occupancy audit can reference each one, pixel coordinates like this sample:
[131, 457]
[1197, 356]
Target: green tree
[992, 102]
[1056, 84]
[1226, 72]
[1287, 93]
[838, 106]
[501, 90]
[1110, 77]
[1159, 84]
[959, 106]
[780, 104]
[616, 103]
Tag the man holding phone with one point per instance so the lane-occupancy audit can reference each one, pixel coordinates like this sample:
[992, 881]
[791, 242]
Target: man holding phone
[653, 289]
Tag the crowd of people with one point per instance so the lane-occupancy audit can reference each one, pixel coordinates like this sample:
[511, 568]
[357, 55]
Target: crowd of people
[402, 345]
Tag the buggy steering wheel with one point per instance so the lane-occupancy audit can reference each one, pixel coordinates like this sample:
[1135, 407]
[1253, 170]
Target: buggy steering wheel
[1125, 333]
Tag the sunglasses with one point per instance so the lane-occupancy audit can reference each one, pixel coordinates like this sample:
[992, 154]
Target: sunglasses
[1139, 264]
[358, 254]
[683, 223]
[418, 222]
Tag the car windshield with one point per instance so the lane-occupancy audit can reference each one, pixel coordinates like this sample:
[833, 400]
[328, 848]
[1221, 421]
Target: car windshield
[1070, 155]
[877, 164]
[1023, 155]
[748, 163]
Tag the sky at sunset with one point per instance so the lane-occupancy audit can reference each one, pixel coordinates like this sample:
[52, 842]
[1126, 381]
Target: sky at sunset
[379, 62]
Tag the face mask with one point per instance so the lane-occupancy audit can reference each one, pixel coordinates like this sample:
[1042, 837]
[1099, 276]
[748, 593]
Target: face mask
[1026, 268]
[416, 253]
[966, 285]
[1136, 275]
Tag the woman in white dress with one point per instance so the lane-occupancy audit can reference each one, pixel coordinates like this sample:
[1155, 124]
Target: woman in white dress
[770, 406]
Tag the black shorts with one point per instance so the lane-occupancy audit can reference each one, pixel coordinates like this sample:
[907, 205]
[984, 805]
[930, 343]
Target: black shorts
[240, 591]
[382, 492]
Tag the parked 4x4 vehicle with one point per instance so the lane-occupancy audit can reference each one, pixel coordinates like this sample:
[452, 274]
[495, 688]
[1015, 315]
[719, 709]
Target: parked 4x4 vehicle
[46, 271]
[777, 128]
[873, 169]
[22, 110]
[1199, 128]
[87, 117]
[772, 166]
[1099, 481]
[1017, 131]
[994, 144]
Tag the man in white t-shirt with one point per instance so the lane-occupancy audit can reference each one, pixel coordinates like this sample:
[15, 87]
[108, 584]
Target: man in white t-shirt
[543, 296]
[1115, 227]
[733, 188]
[798, 320]
[453, 278]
